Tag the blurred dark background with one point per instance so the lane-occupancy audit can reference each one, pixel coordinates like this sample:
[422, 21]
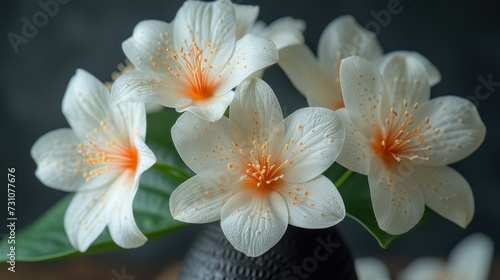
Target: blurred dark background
[462, 38]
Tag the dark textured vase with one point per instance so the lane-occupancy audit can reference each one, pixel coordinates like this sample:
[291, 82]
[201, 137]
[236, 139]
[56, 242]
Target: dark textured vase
[300, 254]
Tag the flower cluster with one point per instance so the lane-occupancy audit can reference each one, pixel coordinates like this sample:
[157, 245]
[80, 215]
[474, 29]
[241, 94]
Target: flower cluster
[257, 171]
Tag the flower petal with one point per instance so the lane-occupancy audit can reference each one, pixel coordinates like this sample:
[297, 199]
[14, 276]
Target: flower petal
[433, 75]
[86, 217]
[122, 226]
[424, 268]
[364, 93]
[472, 257]
[256, 110]
[369, 268]
[144, 86]
[60, 166]
[356, 153]
[212, 109]
[147, 48]
[455, 131]
[406, 79]
[300, 65]
[133, 116]
[317, 84]
[253, 224]
[200, 199]
[344, 37]
[245, 18]
[313, 139]
[398, 202]
[284, 32]
[313, 204]
[211, 25]
[86, 103]
[146, 157]
[251, 54]
[447, 193]
[204, 145]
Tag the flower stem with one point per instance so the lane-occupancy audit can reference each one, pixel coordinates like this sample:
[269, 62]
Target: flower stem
[172, 171]
[341, 181]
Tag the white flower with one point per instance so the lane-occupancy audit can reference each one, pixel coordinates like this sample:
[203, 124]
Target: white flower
[193, 63]
[318, 78]
[403, 141]
[101, 158]
[469, 260]
[257, 172]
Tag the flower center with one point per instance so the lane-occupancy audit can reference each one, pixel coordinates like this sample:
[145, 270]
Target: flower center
[103, 151]
[262, 172]
[401, 138]
[195, 69]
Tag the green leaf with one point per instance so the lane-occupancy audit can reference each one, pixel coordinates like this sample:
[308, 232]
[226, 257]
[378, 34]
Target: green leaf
[46, 239]
[356, 195]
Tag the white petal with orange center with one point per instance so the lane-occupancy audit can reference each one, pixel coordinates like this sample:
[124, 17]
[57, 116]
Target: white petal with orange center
[106, 155]
[238, 154]
[210, 26]
[60, 166]
[196, 64]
